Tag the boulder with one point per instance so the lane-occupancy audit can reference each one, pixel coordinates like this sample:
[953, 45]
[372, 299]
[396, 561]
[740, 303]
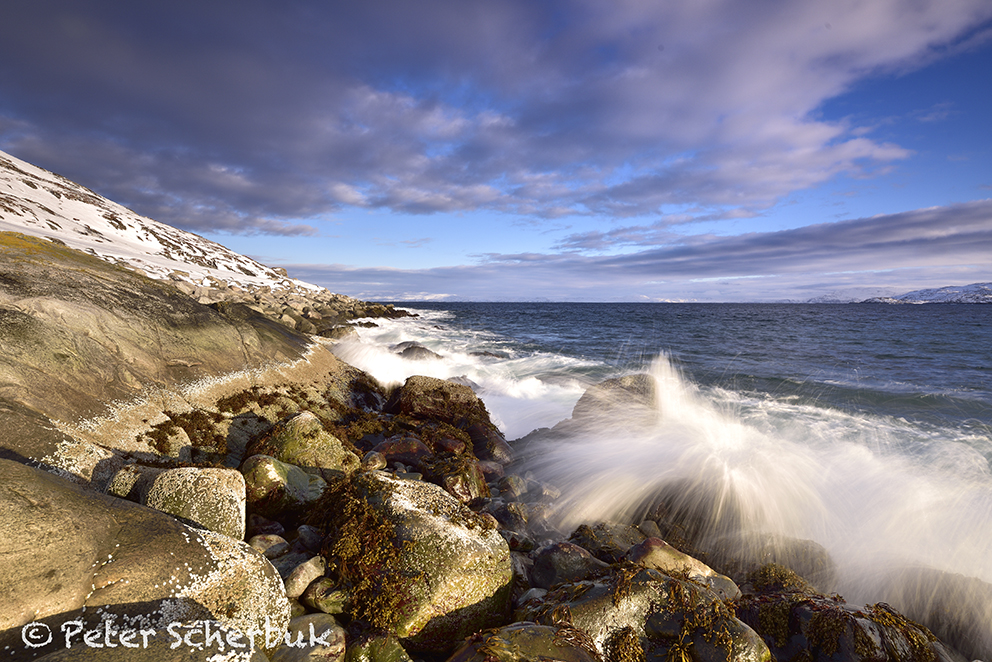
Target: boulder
[211, 498]
[423, 566]
[275, 489]
[75, 554]
[405, 448]
[658, 554]
[301, 440]
[630, 395]
[563, 563]
[798, 623]
[641, 613]
[430, 398]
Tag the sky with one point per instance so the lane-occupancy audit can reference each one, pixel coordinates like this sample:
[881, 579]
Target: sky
[713, 150]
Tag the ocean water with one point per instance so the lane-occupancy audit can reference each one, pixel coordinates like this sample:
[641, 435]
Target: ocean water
[865, 428]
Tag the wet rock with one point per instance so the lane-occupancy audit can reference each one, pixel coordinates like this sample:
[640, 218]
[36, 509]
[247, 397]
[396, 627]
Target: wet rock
[658, 554]
[430, 398]
[309, 638]
[738, 556]
[406, 448]
[796, 621]
[631, 395]
[418, 353]
[301, 440]
[275, 489]
[956, 608]
[607, 541]
[512, 486]
[512, 516]
[526, 642]
[641, 613]
[324, 595]
[373, 460]
[211, 498]
[488, 443]
[563, 563]
[462, 478]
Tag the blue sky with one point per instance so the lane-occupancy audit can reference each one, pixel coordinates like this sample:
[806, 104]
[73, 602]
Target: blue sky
[501, 150]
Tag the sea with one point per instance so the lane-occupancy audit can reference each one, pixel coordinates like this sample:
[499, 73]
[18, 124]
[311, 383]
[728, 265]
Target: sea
[866, 428]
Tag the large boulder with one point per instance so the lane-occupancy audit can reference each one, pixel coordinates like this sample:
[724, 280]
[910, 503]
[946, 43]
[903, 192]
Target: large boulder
[208, 497]
[643, 614]
[658, 554]
[73, 554]
[422, 565]
[301, 440]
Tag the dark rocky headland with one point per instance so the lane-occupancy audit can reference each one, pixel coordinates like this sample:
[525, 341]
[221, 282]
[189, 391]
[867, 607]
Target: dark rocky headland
[186, 465]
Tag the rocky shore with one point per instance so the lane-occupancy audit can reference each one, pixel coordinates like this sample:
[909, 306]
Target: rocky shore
[228, 489]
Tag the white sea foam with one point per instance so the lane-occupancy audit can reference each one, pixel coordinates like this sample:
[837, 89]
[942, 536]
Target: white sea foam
[766, 468]
[521, 391]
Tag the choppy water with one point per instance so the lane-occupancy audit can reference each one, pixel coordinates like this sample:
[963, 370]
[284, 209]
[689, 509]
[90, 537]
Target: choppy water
[866, 428]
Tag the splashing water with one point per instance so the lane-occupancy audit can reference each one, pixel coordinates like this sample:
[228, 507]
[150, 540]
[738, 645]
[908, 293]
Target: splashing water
[755, 472]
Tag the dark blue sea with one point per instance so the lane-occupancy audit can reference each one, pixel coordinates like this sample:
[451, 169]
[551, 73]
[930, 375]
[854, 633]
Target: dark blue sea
[866, 428]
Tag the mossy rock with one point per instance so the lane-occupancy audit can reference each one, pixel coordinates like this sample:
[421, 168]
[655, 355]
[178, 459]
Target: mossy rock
[671, 618]
[797, 622]
[421, 565]
[275, 489]
[303, 441]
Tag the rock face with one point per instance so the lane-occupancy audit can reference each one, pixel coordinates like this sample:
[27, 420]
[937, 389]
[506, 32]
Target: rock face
[80, 333]
[72, 553]
[439, 572]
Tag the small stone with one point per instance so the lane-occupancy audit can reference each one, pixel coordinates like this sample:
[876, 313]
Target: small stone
[258, 525]
[301, 576]
[373, 460]
[512, 486]
[324, 595]
[310, 537]
[270, 545]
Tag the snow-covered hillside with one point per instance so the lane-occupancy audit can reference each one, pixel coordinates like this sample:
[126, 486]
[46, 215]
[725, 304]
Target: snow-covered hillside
[974, 293]
[40, 203]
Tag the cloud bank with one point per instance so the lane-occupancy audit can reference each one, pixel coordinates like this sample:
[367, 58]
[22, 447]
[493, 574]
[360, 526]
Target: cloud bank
[250, 117]
[905, 251]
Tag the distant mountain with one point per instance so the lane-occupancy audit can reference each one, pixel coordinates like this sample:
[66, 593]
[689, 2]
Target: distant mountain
[40, 203]
[974, 293]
